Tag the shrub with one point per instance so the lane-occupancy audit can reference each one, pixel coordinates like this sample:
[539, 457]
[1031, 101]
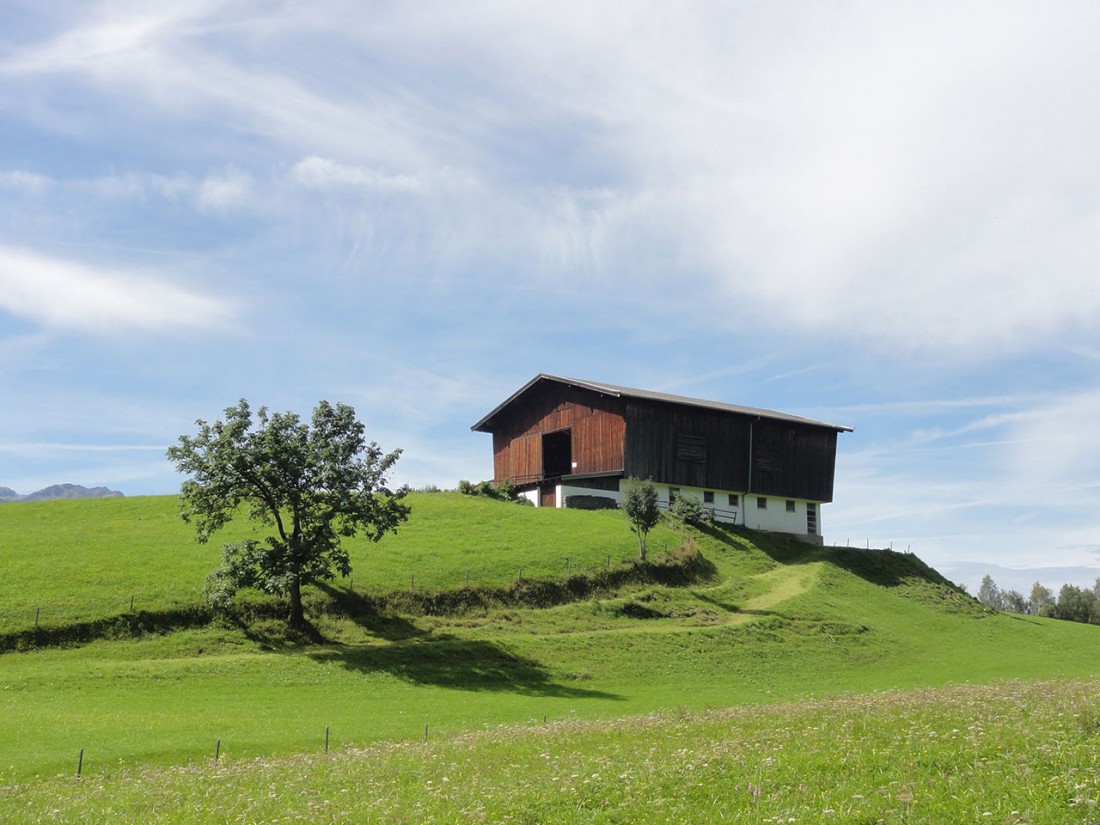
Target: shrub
[504, 491]
[688, 509]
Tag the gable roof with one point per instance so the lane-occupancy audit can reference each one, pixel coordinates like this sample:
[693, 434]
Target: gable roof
[648, 395]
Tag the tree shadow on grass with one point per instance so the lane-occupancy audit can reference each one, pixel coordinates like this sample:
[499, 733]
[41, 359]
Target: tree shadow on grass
[463, 664]
[419, 656]
[369, 615]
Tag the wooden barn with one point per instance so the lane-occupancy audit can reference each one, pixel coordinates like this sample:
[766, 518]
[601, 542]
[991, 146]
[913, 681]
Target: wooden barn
[566, 442]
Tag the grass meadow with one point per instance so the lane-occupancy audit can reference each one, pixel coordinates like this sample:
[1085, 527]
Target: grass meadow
[81, 561]
[1006, 753]
[781, 683]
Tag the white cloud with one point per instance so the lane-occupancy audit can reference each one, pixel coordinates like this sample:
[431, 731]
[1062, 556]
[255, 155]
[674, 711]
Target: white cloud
[219, 191]
[225, 191]
[70, 295]
[324, 173]
[1024, 497]
[907, 175]
[22, 180]
[1056, 448]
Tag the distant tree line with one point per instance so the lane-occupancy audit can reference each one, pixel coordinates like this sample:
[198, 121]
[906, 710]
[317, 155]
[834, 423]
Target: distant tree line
[1074, 604]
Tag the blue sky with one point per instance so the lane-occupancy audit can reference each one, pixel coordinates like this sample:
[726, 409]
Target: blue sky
[879, 214]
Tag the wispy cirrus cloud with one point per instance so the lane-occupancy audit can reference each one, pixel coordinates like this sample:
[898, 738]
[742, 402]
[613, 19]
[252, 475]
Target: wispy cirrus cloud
[67, 295]
[325, 173]
[219, 190]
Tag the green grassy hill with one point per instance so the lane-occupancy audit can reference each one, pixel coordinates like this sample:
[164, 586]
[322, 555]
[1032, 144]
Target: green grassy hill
[759, 620]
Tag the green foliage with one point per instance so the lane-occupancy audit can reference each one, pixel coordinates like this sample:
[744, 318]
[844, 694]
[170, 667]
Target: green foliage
[641, 509]
[989, 594]
[312, 484]
[1075, 604]
[688, 509]
[502, 491]
[1041, 601]
[1014, 601]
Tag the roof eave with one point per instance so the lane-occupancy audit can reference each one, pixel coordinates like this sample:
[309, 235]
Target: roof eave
[619, 392]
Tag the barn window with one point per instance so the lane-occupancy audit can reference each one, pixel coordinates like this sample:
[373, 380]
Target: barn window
[790, 506]
[733, 500]
[708, 497]
[761, 503]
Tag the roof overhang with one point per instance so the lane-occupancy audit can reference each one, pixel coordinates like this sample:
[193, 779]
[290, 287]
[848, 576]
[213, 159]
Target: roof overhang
[484, 425]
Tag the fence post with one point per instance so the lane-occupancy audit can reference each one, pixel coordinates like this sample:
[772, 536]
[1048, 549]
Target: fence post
[80, 762]
[217, 751]
[326, 738]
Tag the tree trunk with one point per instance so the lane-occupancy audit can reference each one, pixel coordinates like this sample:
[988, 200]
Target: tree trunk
[641, 546]
[297, 615]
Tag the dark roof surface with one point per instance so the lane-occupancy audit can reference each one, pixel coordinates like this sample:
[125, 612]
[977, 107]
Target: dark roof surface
[631, 392]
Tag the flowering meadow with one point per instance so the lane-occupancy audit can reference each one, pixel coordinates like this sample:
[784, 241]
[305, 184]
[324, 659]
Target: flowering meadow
[1012, 752]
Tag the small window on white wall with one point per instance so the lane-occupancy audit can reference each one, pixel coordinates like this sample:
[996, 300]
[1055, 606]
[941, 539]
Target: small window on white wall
[708, 496]
[733, 500]
[761, 503]
[790, 506]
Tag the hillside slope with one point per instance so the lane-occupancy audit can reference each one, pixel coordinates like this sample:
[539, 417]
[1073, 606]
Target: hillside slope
[762, 619]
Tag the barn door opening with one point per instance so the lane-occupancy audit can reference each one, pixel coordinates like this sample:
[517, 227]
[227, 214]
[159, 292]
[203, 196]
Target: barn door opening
[557, 454]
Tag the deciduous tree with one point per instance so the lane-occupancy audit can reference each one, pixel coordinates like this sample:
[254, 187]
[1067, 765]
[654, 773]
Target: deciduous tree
[1013, 601]
[1041, 602]
[309, 484]
[642, 511]
[989, 594]
[1075, 603]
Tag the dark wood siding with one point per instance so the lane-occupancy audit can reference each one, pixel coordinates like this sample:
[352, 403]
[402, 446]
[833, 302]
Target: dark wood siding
[687, 447]
[692, 447]
[596, 424]
[793, 461]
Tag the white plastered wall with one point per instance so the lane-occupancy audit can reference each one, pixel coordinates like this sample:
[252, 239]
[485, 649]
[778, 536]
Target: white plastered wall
[774, 516]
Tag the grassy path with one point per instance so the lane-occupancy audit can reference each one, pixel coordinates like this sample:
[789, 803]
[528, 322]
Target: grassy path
[785, 583]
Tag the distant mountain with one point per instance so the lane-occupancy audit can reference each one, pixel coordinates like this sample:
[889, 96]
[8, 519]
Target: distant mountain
[57, 491]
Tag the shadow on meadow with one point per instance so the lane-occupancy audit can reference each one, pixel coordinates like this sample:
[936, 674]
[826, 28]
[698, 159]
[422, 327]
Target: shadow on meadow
[422, 657]
[465, 664]
[886, 568]
[122, 626]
